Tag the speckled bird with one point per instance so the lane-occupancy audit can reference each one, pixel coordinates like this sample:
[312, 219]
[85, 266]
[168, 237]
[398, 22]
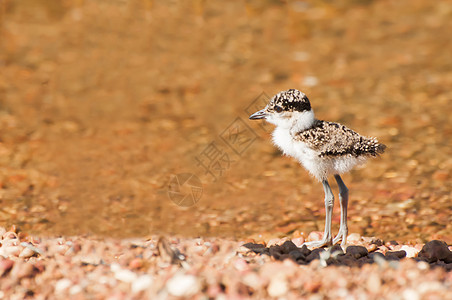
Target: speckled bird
[323, 148]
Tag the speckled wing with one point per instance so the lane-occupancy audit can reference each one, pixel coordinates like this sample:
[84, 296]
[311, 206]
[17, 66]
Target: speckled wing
[332, 140]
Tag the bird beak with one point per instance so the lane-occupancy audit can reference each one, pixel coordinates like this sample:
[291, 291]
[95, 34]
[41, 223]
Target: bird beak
[258, 115]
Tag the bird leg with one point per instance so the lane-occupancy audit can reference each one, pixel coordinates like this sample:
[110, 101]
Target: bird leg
[343, 201]
[329, 202]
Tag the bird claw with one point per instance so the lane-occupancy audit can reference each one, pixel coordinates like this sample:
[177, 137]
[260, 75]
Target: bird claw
[341, 236]
[318, 244]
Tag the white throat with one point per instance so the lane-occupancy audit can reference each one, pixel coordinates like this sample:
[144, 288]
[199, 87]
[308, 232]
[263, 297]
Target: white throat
[302, 121]
[288, 127]
[293, 121]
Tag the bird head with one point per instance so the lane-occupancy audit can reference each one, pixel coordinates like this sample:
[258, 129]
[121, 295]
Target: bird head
[285, 107]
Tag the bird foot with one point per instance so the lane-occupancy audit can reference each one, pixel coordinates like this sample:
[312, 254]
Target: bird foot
[341, 236]
[318, 244]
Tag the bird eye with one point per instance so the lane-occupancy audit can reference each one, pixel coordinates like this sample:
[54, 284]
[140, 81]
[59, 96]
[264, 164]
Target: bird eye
[278, 109]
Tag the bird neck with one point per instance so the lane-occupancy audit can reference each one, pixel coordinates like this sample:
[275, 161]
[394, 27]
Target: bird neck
[302, 121]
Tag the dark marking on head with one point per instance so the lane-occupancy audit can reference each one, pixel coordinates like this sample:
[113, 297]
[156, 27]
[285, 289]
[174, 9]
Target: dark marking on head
[290, 100]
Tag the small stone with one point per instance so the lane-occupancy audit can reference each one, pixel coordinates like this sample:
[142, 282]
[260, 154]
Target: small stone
[276, 252]
[440, 175]
[298, 241]
[347, 260]
[410, 251]
[136, 263]
[27, 253]
[75, 289]
[240, 264]
[436, 250]
[258, 248]
[410, 294]
[296, 255]
[11, 251]
[373, 283]
[32, 247]
[305, 250]
[422, 265]
[395, 255]
[371, 248]
[62, 285]
[312, 286]
[288, 246]
[214, 290]
[383, 249]
[125, 275]
[315, 236]
[182, 285]
[373, 256]
[278, 287]
[315, 254]
[297, 234]
[371, 240]
[356, 251]
[277, 242]
[5, 266]
[336, 250]
[23, 270]
[142, 283]
[252, 280]
[354, 238]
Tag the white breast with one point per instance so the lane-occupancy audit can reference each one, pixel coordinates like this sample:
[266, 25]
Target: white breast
[284, 141]
[309, 158]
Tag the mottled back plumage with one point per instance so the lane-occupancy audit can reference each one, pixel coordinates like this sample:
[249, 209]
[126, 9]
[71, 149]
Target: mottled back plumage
[332, 140]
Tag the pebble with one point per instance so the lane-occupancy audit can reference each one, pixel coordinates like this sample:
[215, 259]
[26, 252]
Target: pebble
[5, 266]
[356, 251]
[136, 263]
[142, 283]
[240, 265]
[125, 275]
[278, 286]
[298, 241]
[252, 280]
[182, 285]
[32, 247]
[371, 248]
[436, 250]
[75, 289]
[22, 270]
[395, 255]
[312, 285]
[258, 248]
[10, 251]
[288, 246]
[410, 251]
[315, 236]
[62, 285]
[410, 294]
[276, 242]
[314, 255]
[373, 283]
[354, 238]
[27, 253]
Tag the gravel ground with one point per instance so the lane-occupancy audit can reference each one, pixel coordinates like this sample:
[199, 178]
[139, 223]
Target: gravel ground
[171, 268]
